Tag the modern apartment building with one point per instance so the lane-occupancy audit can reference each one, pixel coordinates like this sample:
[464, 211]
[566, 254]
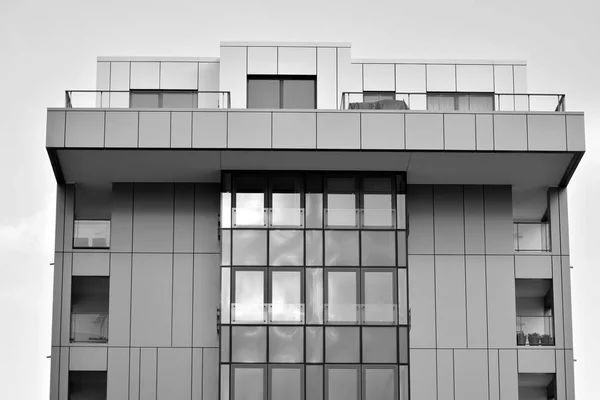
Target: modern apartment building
[285, 222]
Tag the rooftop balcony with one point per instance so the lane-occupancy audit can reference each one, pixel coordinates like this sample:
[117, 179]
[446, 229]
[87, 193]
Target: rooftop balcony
[147, 99]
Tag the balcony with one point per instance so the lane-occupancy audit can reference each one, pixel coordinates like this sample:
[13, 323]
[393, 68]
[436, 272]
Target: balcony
[535, 331]
[147, 99]
[94, 234]
[532, 236]
[89, 327]
[468, 102]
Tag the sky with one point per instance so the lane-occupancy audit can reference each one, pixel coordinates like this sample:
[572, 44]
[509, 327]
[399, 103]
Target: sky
[47, 47]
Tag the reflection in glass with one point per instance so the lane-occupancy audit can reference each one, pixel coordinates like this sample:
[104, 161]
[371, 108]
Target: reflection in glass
[379, 301]
[286, 210]
[341, 210]
[286, 247]
[401, 248]
[314, 210]
[286, 344]
[286, 296]
[248, 343]
[380, 384]
[314, 344]
[341, 344]
[249, 209]
[286, 384]
[342, 299]
[378, 248]
[341, 248]
[225, 295]
[314, 296]
[402, 298]
[342, 384]
[377, 210]
[249, 247]
[314, 248]
[379, 345]
[314, 382]
[249, 297]
[248, 383]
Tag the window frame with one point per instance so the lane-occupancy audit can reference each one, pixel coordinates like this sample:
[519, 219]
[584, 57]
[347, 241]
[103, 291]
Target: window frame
[280, 79]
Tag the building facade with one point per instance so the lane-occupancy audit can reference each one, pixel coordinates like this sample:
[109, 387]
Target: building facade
[286, 222]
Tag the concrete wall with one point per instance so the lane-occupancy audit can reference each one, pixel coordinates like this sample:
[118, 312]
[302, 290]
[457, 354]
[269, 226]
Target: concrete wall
[462, 271]
[163, 266]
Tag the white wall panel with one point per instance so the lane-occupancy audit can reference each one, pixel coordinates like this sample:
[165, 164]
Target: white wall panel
[423, 385]
[174, 380]
[520, 78]
[476, 302]
[297, 61]
[510, 132]
[294, 131]
[57, 299]
[232, 75]
[183, 219]
[445, 374]
[410, 78]
[421, 281]
[154, 129]
[119, 75]
[503, 79]
[151, 300]
[181, 130]
[102, 75]
[509, 378]
[65, 323]
[459, 132]
[206, 299]
[349, 75]
[94, 264]
[484, 131]
[441, 78]
[451, 313]
[379, 77]
[134, 373]
[494, 374]
[119, 300]
[475, 78]
[534, 361]
[471, 374]
[501, 301]
[498, 220]
[448, 219]
[145, 75]
[88, 358]
[382, 131]
[210, 373]
[249, 130]
[338, 130]
[546, 133]
[206, 210]
[262, 60]
[197, 374]
[179, 75]
[84, 129]
[575, 133]
[420, 218]
[327, 97]
[183, 280]
[533, 267]
[55, 129]
[208, 76]
[121, 129]
[209, 130]
[153, 218]
[424, 131]
[148, 367]
[117, 375]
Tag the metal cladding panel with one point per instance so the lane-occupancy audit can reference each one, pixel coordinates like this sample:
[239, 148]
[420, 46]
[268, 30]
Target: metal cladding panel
[206, 218]
[294, 131]
[155, 129]
[474, 219]
[88, 358]
[134, 373]
[206, 299]
[509, 377]
[151, 300]
[536, 361]
[475, 78]
[503, 79]
[119, 306]
[153, 218]
[561, 382]
[148, 369]
[445, 374]
[232, 75]
[441, 78]
[471, 374]
[210, 373]
[557, 291]
[421, 279]
[423, 380]
[63, 374]
[145, 75]
[297, 61]
[451, 313]
[262, 60]
[533, 266]
[55, 129]
[183, 219]
[179, 75]
[249, 130]
[510, 132]
[174, 374]
[520, 78]
[420, 218]
[54, 372]
[570, 375]
[65, 323]
[209, 130]
[349, 74]
[102, 75]
[379, 77]
[547, 132]
[93, 264]
[120, 72]
[208, 76]
[84, 129]
[554, 214]
[327, 78]
[501, 301]
[424, 131]
[197, 365]
[121, 129]
[566, 298]
[575, 133]
[121, 221]
[477, 330]
[448, 207]
[382, 131]
[410, 78]
[564, 221]
[59, 232]
[181, 130]
[183, 283]
[484, 131]
[338, 130]
[459, 132]
[494, 374]
[57, 299]
[498, 220]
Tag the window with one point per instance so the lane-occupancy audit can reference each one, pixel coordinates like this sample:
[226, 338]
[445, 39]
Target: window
[287, 92]
[460, 102]
[163, 99]
[89, 309]
[87, 385]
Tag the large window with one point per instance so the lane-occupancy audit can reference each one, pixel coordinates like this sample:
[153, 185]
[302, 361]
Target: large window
[460, 102]
[280, 91]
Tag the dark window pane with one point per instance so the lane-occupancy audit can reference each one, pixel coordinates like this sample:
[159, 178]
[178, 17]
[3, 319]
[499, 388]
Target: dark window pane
[249, 247]
[286, 384]
[314, 344]
[179, 100]
[378, 248]
[380, 384]
[341, 344]
[314, 295]
[314, 382]
[286, 247]
[286, 344]
[299, 94]
[263, 93]
[342, 384]
[248, 383]
[144, 100]
[341, 248]
[379, 345]
[249, 344]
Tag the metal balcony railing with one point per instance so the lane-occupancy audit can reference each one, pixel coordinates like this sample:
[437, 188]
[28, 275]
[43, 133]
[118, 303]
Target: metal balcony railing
[89, 327]
[527, 102]
[147, 99]
[535, 331]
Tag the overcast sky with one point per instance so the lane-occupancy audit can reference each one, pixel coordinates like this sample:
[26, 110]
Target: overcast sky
[49, 46]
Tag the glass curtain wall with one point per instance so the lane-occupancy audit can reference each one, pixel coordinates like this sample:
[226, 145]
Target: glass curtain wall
[313, 286]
